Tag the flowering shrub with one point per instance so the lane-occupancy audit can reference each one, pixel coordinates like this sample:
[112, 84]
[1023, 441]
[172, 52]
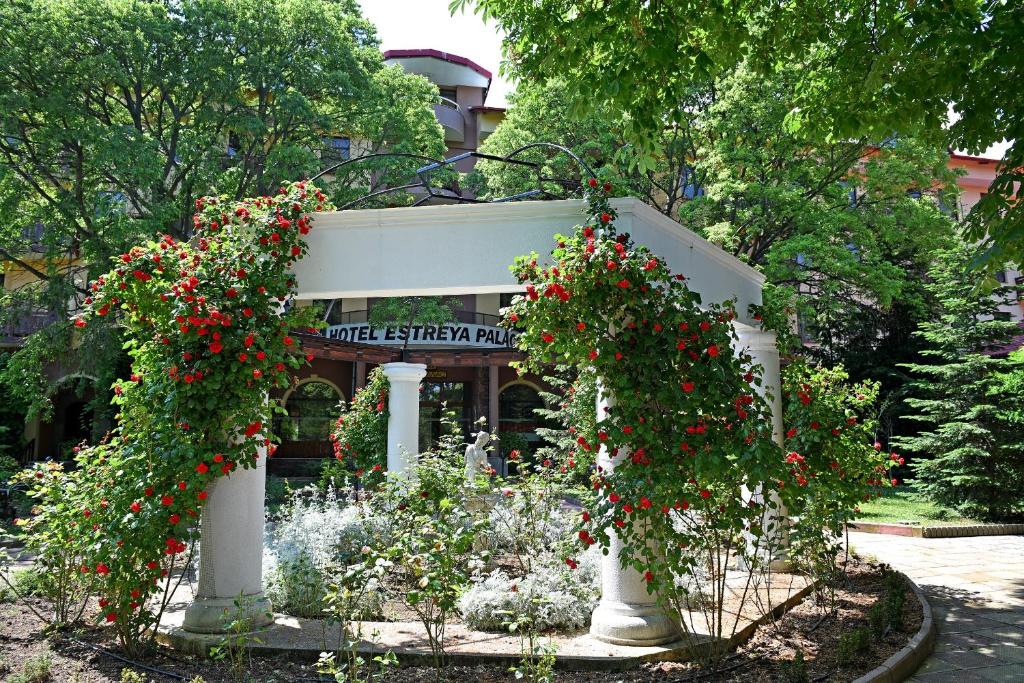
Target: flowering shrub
[529, 517]
[558, 597]
[834, 461]
[208, 338]
[52, 536]
[685, 422]
[360, 437]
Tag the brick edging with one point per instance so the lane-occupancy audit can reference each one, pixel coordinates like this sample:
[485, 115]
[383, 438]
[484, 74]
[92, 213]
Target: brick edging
[937, 531]
[904, 663]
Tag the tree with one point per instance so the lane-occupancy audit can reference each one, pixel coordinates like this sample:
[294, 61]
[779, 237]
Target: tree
[117, 115]
[864, 68]
[968, 397]
[843, 230]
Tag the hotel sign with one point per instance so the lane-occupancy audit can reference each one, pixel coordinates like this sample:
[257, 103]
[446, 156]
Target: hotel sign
[447, 334]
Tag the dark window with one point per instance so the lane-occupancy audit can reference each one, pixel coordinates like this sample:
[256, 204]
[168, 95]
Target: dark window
[335, 150]
[435, 397]
[505, 299]
[312, 409]
[1001, 277]
[449, 94]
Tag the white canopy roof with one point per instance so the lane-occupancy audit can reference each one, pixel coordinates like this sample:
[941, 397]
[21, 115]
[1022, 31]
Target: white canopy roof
[468, 248]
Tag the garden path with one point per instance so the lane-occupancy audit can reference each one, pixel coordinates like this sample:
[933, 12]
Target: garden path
[976, 590]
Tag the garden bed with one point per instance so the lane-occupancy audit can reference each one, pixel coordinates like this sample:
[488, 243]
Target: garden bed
[767, 656]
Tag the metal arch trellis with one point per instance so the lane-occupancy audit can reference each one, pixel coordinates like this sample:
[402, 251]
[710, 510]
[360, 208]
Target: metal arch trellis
[431, 193]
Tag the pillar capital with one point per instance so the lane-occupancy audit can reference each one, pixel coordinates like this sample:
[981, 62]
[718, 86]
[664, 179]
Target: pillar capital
[755, 338]
[404, 372]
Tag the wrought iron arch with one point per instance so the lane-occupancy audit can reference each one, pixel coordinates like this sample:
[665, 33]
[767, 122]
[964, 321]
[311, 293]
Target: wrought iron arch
[424, 173]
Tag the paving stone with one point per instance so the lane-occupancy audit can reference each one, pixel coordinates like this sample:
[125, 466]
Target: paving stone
[1011, 673]
[968, 659]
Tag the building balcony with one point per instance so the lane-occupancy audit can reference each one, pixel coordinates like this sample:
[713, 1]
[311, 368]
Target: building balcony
[14, 333]
[449, 115]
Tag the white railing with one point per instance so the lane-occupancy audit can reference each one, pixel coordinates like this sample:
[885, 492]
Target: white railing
[445, 102]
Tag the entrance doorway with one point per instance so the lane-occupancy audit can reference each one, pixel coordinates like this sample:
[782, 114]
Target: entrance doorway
[435, 398]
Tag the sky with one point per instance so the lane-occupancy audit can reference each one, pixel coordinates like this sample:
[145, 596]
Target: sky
[419, 24]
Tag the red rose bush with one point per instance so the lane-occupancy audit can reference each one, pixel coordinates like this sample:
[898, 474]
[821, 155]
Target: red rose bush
[208, 334]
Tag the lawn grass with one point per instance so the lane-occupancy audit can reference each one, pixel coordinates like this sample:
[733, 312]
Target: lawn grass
[907, 506]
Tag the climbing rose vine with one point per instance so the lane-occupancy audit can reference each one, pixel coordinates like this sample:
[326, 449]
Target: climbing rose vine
[687, 425]
[209, 336]
[360, 435]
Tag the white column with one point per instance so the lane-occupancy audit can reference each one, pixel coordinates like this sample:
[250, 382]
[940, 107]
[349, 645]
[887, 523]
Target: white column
[403, 414]
[231, 552]
[762, 347]
[627, 614]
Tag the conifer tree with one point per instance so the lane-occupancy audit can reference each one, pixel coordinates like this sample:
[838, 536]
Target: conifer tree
[972, 460]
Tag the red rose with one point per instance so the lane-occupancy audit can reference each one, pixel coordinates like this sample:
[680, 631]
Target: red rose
[713, 350]
[202, 495]
[592, 182]
[288, 341]
[622, 284]
[687, 387]
[202, 468]
[111, 616]
[648, 576]
[253, 428]
[605, 218]
[705, 494]
[216, 347]
[167, 500]
[175, 518]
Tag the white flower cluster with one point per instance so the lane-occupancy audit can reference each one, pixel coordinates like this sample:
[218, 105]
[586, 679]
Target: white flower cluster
[310, 543]
[555, 596]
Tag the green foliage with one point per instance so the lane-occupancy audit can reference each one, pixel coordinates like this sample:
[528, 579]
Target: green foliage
[538, 662]
[795, 670]
[853, 643]
[235, 647]
[118, 114]
[360, 437]
[345, 602]
[862, 69]
[971, 456]
[131, 676]
[887, 613]
[36, 669]
[54, 537]
[570, 405]
[429, 551]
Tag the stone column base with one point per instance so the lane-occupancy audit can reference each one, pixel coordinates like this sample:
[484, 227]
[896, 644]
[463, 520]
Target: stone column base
[620, 623]
[213, 615]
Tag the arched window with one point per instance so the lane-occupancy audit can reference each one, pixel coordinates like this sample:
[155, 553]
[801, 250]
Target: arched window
[516, 405]
[312, 409]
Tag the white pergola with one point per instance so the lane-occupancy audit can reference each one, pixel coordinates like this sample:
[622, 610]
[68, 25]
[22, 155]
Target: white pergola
[452, 250]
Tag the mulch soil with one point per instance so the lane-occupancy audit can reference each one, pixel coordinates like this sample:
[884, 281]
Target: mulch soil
[87, 655]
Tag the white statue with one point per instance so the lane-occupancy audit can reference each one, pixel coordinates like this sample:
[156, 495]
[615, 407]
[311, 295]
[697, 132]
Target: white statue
[476, 457]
